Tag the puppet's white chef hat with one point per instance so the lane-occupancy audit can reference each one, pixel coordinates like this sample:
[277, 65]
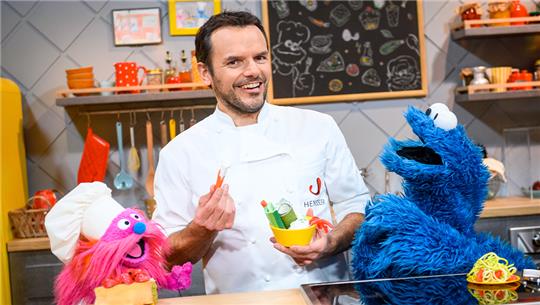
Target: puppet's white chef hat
[88, 210]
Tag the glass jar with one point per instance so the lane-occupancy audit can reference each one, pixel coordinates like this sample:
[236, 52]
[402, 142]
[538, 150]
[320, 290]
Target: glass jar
[154, 77]
[499, 10]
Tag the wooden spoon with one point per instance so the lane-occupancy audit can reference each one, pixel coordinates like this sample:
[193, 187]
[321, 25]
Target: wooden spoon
[149, 183]
[163, 133]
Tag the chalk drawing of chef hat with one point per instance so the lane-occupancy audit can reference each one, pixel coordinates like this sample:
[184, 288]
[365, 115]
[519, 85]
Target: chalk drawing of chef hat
[87, 210]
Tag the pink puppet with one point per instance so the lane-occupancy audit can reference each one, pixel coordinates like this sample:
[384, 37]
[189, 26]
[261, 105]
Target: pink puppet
[103, 244]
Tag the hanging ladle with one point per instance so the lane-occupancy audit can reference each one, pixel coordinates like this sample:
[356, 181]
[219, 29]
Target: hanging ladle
[123, 180]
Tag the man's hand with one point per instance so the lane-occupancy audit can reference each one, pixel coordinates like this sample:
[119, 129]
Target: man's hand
[324, 245]
[216, 210]
[305, 255]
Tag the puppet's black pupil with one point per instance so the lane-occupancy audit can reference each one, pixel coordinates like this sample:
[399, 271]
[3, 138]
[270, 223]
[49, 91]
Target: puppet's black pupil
[428, 111]
[126, 222]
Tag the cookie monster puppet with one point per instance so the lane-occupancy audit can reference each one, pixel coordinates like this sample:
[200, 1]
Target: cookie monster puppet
[430, 229]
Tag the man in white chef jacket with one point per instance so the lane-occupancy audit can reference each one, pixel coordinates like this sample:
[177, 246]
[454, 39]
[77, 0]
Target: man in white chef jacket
[270, 153]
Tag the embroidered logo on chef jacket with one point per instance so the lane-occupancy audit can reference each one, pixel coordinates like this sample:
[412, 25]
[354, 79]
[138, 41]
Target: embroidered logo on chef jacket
[318, 189]
[315, 189]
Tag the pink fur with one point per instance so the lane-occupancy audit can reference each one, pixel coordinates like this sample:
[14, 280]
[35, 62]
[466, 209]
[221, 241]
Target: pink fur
[93, 262]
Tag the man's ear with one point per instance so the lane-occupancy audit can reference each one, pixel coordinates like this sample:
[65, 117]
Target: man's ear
[204, 72]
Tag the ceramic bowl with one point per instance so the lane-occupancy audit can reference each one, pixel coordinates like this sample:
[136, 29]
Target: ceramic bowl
[527, 193]
[84, 75]
[293, 237]
[80, 83]
[88, 69]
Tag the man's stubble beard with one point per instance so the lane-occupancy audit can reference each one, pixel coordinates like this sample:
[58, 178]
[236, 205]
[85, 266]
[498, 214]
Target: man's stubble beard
[234, 103]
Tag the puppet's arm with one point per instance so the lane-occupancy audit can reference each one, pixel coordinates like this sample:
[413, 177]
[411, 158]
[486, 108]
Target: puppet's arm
[179, 278]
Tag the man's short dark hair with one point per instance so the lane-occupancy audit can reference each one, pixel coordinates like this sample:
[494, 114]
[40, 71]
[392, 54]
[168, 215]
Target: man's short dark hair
[203, 45]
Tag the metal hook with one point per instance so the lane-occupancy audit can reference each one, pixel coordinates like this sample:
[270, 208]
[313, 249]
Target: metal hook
[88, 120]
[181, 115]
[192, 113]
[148, 116]
[118, 116]
[172, 116]
[132, 118]
[162, 115]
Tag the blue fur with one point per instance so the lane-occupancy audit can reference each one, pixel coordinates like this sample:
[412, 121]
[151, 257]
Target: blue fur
[429, 230]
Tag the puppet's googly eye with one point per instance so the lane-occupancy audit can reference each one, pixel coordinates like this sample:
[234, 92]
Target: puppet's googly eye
[135, 216]
[435, 109]
[445, 120]
[123, 224]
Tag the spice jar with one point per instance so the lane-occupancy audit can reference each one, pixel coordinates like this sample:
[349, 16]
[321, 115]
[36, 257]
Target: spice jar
[498, 10]
[518, 10]
[471, 11]
[154, 77]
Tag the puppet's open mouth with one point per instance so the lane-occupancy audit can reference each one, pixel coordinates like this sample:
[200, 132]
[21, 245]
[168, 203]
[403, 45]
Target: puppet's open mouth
[137, 251]
[421, 154]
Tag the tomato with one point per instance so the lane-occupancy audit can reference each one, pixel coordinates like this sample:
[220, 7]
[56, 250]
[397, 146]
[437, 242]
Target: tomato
[44, 199]
[480, 275]
[498, 274]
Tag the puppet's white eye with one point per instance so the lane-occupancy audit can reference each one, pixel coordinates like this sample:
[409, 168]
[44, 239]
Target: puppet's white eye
[435, 109]
[135, 216]
[445, 120]
[442, 117]
[123, 224]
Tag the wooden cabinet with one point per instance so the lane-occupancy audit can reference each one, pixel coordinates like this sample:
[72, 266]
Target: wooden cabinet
[32, 275]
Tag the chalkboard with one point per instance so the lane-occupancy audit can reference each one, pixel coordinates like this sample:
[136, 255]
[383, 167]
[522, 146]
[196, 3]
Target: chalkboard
[333, 51]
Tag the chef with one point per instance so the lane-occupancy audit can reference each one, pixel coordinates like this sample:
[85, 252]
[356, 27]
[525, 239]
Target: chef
[265, 152]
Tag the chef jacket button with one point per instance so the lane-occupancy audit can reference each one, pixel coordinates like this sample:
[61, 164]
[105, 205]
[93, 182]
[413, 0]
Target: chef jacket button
[253, 240]
[267, 278]
[290, 190]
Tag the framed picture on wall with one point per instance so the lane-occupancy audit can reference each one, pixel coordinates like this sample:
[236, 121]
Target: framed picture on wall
[137, 26]
[185, 17]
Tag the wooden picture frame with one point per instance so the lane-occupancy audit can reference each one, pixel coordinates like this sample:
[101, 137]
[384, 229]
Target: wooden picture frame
[186, 16]
[319, 53]
[139, 26]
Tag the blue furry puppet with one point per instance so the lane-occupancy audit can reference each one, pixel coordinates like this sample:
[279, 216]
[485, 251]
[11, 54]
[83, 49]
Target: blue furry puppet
[429, 230]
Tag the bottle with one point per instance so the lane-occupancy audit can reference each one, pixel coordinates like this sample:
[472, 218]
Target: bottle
[518, 10]
[184, 73]
[170, 71]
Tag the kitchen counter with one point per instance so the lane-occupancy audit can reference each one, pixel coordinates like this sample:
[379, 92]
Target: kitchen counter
[276, 297]
[511, 206]
[499, 207]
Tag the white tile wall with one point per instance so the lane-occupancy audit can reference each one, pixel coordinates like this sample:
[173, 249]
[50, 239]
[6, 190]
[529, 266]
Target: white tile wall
[41, 39]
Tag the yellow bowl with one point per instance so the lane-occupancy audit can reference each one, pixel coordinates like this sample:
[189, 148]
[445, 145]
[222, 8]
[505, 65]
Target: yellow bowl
[293, 237]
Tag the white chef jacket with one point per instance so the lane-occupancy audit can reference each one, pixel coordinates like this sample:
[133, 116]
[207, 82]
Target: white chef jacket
[281, 156]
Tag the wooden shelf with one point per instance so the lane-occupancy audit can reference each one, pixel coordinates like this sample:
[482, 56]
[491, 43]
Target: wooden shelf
[511, 206]
[523, 41]
[491, 32]
[28, 244]
[135, 98]
[521, 108]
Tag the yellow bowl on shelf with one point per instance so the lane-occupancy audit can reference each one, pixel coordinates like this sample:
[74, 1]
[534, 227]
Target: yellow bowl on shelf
[293, 237]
